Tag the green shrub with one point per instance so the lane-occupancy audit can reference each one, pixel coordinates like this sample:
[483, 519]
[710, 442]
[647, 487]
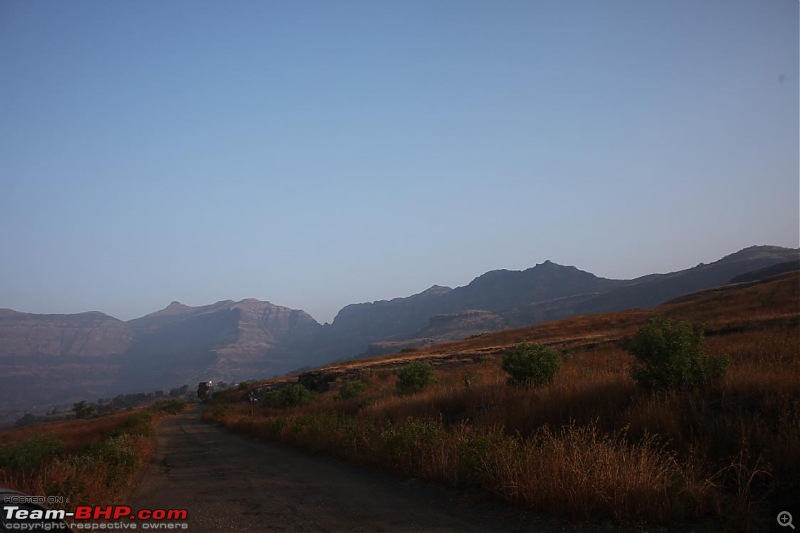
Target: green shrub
[531, 365]
[30, 453]
[83, 409]
[118, 452]
[671, 355]
[414, 377]
[140, 423]
[351, 390]
[290, 396]
[172, 406]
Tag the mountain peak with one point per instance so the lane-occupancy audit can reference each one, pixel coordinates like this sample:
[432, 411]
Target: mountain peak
[436, 289]
[250, 304]
[174, 308]
[753, 252]
[552, 265]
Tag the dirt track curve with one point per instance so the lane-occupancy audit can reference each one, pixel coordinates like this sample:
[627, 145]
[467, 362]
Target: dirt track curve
[233, 483]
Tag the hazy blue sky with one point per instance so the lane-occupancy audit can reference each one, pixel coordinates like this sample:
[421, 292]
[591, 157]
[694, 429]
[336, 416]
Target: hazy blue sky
[316, 154]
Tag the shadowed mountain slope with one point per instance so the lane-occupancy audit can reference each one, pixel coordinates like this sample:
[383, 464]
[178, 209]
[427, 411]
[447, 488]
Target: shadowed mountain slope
[226, 340]
[358, 325]
[50, 359]
[89, 334]
[550, 291]
[658, 288]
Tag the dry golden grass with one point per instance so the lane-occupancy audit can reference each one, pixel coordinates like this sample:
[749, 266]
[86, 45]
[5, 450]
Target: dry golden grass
[93, 461]
[104, 477]
[74, 434]
[591, 444]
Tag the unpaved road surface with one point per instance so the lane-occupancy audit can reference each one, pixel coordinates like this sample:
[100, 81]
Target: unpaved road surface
[230, 482]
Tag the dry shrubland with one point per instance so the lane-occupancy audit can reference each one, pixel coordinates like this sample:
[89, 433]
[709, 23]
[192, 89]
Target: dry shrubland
[591, 444]
[93, 461]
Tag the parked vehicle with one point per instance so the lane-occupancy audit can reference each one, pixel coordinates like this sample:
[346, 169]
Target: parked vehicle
[204, 390]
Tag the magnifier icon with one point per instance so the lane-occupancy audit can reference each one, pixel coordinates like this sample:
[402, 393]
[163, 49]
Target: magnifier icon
[785, 519]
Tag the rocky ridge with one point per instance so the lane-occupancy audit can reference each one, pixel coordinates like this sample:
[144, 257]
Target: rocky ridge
[49, 359]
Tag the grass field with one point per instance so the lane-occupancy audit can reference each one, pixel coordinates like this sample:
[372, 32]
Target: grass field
[591, 445]
[85, 462]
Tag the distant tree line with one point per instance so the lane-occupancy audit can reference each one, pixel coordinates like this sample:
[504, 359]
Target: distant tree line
[86, 409]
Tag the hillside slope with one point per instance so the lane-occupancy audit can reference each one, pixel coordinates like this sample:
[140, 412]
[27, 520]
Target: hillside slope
[58, 359]
[772, 303]
[222, 341]
[646, 291]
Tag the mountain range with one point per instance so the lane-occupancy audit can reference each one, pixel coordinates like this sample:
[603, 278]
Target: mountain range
[49, 360]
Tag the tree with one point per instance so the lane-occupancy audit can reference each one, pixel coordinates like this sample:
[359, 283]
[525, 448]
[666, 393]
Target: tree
[290, 396]
[26, 420]
[531, 365]
[83, 409]
[671, 355]
[183, 390]
[351, 389]
[414, 377]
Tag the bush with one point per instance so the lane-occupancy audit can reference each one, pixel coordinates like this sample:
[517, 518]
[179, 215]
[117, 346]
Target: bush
[138, 424]
[26, 420]
[672, 355]
[531, 365]
[172, 406]
[290, 396]
[351, 390]
[83, 409]
[414, 377]
[30, 453]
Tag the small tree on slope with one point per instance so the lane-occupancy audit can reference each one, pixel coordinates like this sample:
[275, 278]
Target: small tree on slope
[671, 355]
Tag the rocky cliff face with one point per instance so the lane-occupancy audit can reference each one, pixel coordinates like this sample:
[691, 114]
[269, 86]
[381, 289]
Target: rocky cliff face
[224, 341]
[82, 335]
[46, 359]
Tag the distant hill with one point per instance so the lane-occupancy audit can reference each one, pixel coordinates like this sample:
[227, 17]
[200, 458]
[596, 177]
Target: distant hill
[57, 359]
[225, 341]
[402, 318]
[654, 289]
[768, 272]
[90, 334]
[46, 359]
[573, 292]
[769, 303]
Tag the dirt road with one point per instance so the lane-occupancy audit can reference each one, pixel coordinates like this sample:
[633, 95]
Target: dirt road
[233, 483]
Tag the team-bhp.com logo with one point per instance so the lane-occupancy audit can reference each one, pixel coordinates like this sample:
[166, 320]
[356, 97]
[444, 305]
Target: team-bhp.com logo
[19, 512]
